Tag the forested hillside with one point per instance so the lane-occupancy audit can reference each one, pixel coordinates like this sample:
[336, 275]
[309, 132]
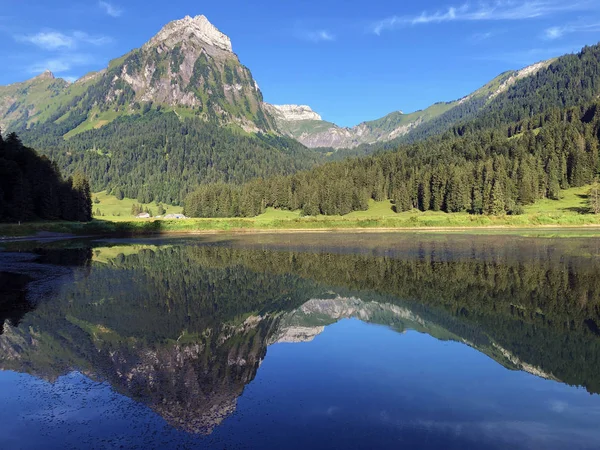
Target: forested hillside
[31, 187]
[568, 81]
[484, 172]
[159, 156]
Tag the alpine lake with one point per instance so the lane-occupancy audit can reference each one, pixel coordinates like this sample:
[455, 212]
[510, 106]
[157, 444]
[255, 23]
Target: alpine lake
[298, 341]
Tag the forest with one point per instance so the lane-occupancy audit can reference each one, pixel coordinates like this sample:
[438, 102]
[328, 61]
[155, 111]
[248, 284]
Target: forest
[156, 156]
[32, 188]
[483, 172]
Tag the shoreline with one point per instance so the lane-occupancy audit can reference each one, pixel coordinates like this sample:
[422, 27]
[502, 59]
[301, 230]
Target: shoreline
[49, 236]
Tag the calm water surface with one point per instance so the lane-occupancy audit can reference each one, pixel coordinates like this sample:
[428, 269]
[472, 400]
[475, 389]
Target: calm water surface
[301, 341]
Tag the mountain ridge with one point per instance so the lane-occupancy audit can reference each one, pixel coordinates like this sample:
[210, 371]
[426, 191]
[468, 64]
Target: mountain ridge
[188, 64]
[315, 133]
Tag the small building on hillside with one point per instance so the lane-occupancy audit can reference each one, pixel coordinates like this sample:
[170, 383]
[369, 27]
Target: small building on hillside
[143, 216]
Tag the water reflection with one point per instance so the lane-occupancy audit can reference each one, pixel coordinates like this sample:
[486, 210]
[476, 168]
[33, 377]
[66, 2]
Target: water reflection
[184, 326]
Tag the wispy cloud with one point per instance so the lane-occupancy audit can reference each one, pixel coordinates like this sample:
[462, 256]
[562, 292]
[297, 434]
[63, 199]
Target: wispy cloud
[55, 40]
[60, 64]
[559, 31]
[496, 10]
[81, 36]
[50, 40]
[316, 35]
[110, 9]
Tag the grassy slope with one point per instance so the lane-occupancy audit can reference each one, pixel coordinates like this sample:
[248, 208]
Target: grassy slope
[570, 211]
[120, 210]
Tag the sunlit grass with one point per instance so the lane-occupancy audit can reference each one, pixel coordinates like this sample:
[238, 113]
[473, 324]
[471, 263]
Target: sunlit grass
[569, 211]
[117, 210]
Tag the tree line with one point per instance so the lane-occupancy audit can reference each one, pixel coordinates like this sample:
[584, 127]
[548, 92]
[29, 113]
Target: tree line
[494, 172]
[156, 156]
[32, 188]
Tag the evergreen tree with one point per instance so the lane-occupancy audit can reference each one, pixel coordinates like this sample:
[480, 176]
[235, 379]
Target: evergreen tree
[594, 198]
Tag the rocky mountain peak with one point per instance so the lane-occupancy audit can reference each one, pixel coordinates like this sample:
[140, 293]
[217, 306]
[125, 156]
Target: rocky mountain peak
[190, 28]
[45, 75]
[294, 112]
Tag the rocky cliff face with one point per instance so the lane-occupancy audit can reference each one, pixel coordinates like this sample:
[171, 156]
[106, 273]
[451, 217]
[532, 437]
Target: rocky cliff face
[293, 113]
[188, 66]
[189, 29]
[193, 386]
[306, 126]
[308, 321]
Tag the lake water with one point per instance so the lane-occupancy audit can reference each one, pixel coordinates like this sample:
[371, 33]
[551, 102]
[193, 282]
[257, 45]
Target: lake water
[376, 340]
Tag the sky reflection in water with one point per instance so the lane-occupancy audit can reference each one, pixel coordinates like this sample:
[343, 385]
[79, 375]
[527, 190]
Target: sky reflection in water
[309, 376]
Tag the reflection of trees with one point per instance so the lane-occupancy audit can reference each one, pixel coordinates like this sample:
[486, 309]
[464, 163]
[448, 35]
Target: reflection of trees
[184, 329]
[27, 277]
[545, 308]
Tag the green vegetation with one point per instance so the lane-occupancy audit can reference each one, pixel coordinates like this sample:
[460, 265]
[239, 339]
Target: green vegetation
[482, 172]
[32, 188]
[571, 210]
[161, 156]
[113, 209]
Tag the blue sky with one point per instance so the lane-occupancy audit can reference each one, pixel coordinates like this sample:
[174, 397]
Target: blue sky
[349, 60]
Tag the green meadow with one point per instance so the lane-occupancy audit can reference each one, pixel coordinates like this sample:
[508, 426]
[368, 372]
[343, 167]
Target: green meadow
[116, 218]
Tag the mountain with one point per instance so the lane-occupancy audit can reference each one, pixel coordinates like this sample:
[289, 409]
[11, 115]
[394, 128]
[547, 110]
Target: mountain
[29, 98]
[188, 67]
[301, 123]
[179, 111]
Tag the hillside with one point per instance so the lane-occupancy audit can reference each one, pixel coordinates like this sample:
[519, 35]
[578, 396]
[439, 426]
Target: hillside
[397, 126]
[491, 172]
[189, 65]
[178, 111]
[32, 187]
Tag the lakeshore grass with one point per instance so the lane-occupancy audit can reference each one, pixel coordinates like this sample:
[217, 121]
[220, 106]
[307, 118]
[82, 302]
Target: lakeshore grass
[570, 211]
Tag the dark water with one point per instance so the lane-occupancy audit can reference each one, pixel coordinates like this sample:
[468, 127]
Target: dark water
[301, 341]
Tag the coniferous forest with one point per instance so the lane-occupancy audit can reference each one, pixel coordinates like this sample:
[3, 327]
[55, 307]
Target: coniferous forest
[492, 172]
[32, 188]
[155, 155]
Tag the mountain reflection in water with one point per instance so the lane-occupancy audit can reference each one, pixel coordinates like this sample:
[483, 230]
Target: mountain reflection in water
[183, 326]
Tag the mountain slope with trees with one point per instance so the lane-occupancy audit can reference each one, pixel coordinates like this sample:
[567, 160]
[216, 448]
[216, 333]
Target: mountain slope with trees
[492, 172]
[31, 187]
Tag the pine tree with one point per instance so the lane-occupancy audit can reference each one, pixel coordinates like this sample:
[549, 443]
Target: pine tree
[497, 203]
[83, 197]
[593, 199]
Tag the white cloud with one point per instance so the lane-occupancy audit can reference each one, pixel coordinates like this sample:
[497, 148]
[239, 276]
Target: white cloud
[51, 40]
[496, 10]
[94, 40]
[55, 40]
[110, 9]
[554, 32]
[559, 31]
[60, 64]
[317, 36]
[70, 79]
